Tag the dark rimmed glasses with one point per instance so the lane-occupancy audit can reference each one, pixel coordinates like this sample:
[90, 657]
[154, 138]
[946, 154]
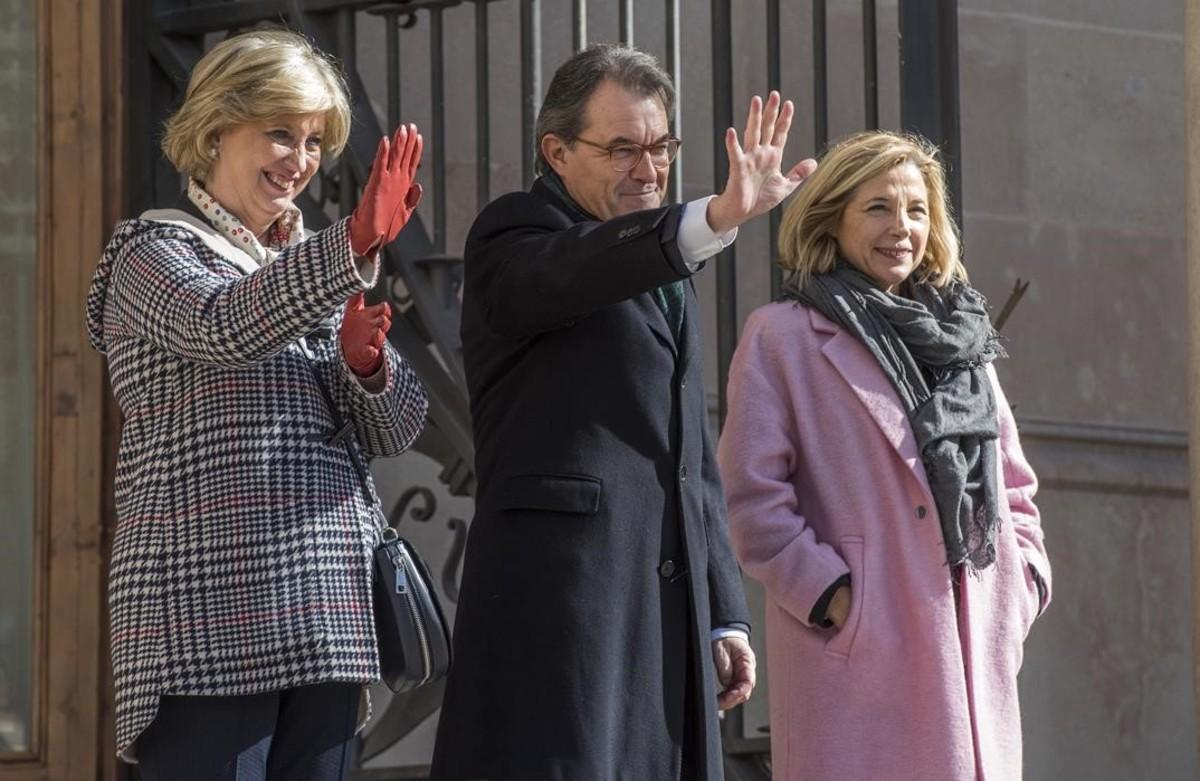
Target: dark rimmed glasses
[626, 156]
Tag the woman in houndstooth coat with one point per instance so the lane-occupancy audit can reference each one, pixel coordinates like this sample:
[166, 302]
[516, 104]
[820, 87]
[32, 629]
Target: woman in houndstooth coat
[240, 593]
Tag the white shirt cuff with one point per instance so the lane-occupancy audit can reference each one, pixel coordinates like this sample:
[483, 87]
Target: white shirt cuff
[728, 631]
[697, 242]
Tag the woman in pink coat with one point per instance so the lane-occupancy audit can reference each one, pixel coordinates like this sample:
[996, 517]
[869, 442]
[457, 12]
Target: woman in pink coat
[877, 488]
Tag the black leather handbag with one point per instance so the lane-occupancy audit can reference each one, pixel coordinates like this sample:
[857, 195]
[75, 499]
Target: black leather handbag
[414, 643]
[410, 628]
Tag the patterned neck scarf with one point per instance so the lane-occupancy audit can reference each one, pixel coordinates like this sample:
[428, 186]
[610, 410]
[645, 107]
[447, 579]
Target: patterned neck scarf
[287, 230]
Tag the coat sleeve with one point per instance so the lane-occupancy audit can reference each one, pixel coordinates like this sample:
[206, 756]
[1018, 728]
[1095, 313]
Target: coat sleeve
[531, 269]
[726, 597]
[1020, 485]
[163, 291]
[388, 421]
[759, 459]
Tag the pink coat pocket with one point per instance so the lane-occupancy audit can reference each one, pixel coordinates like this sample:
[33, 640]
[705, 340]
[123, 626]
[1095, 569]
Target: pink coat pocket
[842, 643]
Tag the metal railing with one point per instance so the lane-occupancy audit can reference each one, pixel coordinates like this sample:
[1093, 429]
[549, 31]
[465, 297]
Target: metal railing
[423, 275]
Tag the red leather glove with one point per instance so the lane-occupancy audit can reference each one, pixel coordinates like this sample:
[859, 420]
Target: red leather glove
[364, 330]
[391, 195]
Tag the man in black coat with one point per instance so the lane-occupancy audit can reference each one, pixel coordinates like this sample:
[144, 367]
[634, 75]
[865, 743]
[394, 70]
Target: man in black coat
[601, 621]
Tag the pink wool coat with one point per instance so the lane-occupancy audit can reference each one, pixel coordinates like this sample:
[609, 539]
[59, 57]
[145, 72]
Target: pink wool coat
[822, 477]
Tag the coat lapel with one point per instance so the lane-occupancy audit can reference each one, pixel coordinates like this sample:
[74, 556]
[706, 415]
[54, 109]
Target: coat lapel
[690, 333]
[858, 368]
[657, 321]
[683, 349]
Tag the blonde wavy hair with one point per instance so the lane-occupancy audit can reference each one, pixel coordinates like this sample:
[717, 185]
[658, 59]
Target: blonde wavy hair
[807, 233]
[256, 76]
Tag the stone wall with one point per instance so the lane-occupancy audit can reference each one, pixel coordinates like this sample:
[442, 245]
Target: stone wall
[1073, 147]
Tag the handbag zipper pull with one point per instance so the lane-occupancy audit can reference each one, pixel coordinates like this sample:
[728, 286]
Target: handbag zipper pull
[401, 578]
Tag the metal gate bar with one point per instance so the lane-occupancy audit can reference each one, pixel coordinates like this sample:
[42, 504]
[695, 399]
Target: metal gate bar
[483, 115]
[726, 262]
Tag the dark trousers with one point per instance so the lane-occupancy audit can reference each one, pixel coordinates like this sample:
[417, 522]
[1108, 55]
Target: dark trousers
[690, 765]
[301, 734]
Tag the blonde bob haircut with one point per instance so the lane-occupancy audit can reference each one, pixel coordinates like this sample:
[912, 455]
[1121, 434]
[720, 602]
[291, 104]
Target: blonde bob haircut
[807, 234]
[256, 76]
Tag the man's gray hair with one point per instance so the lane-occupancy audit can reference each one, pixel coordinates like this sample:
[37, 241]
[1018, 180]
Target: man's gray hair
[576, 79]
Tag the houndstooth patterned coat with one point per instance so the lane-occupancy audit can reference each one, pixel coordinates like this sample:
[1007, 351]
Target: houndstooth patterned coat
[242, 557]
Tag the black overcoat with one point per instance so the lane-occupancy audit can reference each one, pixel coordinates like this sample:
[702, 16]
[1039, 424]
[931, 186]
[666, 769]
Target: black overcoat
[598, 561]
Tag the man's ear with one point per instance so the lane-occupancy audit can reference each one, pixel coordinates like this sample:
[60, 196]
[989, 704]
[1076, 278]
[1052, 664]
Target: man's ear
[554, 149]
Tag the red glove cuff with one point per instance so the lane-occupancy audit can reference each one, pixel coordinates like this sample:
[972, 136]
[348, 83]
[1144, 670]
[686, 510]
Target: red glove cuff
[368, 370]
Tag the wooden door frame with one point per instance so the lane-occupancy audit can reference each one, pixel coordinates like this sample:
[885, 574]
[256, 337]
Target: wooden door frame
[79, 164]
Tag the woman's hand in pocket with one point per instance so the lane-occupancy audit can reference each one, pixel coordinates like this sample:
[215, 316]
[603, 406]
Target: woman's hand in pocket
[839, 607]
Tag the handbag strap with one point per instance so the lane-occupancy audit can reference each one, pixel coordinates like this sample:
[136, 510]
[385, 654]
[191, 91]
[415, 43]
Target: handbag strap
[343, 431]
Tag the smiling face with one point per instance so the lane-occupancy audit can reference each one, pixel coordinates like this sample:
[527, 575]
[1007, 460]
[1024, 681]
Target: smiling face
[614, 115]
[885, 225]
[262, 166]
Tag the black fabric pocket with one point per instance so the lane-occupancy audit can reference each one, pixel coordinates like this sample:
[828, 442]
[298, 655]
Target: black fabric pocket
[556, 493]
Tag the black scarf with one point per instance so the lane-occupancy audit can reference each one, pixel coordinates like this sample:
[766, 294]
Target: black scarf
[933, 345]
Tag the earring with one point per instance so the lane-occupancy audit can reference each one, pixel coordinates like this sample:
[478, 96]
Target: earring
[214, 152]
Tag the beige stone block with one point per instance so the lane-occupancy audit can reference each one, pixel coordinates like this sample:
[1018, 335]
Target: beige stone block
[1078, 339]
[1106, 685]
[1105, 128]
[1155, 16]
[998, 7]
[994, 90]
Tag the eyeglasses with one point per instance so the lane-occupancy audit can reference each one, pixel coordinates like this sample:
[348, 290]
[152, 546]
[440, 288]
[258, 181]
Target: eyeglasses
[626, 157]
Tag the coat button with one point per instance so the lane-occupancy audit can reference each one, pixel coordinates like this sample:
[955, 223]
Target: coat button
[683, 473]
[921, 511]
[667, 569]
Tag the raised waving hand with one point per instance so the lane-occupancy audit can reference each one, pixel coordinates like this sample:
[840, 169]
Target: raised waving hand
[391, 194]
[756, 182]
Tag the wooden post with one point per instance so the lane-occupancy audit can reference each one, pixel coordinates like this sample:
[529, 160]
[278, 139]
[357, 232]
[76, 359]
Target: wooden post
[79, 126]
